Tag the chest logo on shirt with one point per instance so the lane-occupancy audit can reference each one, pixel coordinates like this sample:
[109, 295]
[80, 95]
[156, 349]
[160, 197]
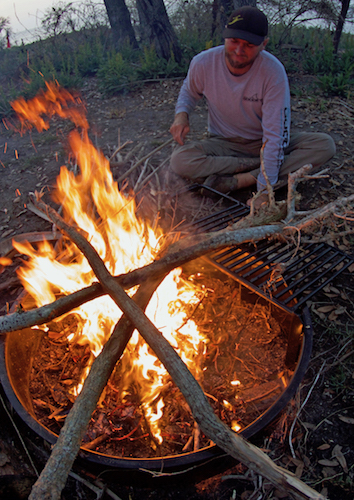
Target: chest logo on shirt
[253, 98]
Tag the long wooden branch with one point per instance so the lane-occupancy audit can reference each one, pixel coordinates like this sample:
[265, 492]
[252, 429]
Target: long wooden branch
[54, 476]
[222, 436]
[179, 253]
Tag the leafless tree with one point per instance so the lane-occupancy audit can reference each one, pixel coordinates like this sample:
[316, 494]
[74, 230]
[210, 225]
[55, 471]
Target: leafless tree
[119, 19]
[340, 24]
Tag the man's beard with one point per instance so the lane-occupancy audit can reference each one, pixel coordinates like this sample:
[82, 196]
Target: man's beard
[238, 65]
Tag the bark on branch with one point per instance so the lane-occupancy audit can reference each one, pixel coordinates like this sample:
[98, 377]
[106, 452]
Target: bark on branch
[179, 253]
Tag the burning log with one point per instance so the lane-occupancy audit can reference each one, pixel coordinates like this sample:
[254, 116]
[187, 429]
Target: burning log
[178, 254]
[54, 475]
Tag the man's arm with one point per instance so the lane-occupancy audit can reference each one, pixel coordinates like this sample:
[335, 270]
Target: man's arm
[191, 91]
[180, 127]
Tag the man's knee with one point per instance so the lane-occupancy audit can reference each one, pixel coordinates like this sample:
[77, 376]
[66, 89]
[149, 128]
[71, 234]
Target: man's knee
[329, 147]
[184, 161]
[320, 146]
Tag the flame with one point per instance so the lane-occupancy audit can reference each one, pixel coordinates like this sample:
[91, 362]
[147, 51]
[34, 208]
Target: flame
[92, 202]
[54, 101]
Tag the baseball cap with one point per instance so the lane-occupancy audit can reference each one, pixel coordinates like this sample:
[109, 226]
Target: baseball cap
[247, 23]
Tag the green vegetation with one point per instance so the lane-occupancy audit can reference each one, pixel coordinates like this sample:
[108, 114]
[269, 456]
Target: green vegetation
[88, 52]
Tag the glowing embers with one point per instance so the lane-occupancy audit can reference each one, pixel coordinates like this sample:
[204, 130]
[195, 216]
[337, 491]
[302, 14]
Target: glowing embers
[242, 372]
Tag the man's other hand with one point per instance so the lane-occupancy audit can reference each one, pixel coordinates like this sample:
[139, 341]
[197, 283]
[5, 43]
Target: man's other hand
[180, 127]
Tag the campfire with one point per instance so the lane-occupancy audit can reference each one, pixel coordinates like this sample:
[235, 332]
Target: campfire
[240, 340]
[235, 350]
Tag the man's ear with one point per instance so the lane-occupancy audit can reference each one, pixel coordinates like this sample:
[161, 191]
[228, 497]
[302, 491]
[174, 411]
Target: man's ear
[265, 42]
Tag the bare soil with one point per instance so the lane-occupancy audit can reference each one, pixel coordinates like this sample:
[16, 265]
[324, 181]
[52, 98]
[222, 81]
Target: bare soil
[314, 435]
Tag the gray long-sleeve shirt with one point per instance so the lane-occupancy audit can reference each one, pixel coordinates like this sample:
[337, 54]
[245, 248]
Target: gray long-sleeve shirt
[255, 105]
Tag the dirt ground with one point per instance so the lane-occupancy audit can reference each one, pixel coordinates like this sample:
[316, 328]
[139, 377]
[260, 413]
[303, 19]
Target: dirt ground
[320, 418]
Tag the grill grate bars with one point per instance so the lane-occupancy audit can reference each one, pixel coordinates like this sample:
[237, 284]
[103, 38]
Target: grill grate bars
[288, 274]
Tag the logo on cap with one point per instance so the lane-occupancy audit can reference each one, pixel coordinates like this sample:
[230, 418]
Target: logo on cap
[236, 19]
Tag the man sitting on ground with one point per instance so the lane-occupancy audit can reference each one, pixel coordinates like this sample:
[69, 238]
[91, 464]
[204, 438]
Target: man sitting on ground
[248, 98]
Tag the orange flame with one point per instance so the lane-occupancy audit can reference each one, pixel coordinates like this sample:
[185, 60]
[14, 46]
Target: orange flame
[55, 101]
[92, 201]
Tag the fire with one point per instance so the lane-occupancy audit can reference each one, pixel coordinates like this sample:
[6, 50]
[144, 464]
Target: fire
[92, 202]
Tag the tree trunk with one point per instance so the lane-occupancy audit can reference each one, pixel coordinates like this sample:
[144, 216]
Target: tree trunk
[157, 30]
[340, 24]
[119, 19]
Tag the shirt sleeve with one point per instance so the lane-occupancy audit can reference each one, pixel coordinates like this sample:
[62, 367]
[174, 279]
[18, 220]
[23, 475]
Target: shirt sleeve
[192, 89]
[276, 128]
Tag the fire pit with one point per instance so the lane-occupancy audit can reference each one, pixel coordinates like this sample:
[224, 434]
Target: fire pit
[21, 348]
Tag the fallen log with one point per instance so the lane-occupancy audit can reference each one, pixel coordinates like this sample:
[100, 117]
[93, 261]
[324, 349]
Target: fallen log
[52, 477]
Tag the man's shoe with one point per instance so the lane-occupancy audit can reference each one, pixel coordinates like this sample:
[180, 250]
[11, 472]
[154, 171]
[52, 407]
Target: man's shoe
[222, 183]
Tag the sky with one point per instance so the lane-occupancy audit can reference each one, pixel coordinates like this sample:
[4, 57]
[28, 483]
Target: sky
[23, 14]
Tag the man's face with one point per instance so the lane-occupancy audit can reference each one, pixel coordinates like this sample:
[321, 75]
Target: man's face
[240, 54]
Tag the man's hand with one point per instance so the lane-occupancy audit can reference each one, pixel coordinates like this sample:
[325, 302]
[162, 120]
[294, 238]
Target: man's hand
[180, 127]
[263, 198]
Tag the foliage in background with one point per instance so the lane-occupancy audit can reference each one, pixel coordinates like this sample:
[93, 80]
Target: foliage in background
[79, 45]
[193, 25]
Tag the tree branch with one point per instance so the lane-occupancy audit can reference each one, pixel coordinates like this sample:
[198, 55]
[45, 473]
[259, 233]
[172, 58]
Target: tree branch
[178, 254]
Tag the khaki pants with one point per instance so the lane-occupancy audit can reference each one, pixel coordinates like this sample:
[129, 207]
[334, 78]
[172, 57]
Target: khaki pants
[217, 155]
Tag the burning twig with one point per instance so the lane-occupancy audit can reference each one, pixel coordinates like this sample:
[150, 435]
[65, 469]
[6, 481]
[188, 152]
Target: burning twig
[53, 477]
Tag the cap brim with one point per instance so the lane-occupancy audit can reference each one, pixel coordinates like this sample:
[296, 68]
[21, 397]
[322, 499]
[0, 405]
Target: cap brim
[243, 35]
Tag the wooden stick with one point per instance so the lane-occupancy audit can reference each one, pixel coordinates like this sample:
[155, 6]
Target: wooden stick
[269, 186]
[179, 253]
[119, 148]
[293, 180]
[142, 160]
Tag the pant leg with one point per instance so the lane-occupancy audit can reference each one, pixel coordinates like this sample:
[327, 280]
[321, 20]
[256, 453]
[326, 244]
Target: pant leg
[215, 155]
[304, 148]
